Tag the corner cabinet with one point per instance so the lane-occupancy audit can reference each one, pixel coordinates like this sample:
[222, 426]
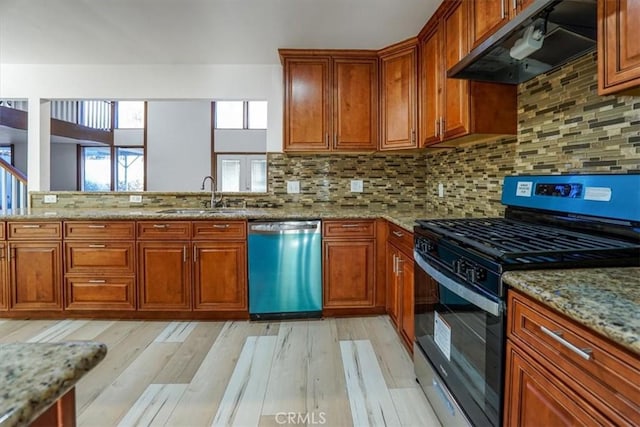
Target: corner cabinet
[35, 265]
[560, 373]
[400, 288]
[453, 108]
[398, 65]
[330, 100]
[348, 266]
[618, 47]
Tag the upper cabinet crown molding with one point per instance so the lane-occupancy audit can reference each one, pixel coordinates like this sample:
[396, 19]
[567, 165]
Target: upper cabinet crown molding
[330, 99]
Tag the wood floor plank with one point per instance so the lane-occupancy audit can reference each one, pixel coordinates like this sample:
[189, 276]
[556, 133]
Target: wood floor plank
[176, 332]
[201, 400]
[118, 397]
[125, 341]
[90, 330]
[154, 406]
[286, 390]
[352, 328]
[396, 365]
[58, 331]
[413, 408]
[28, 330]
[369, 397]
[327, 396]
[187, 359]
[10, 326]
[242, 401]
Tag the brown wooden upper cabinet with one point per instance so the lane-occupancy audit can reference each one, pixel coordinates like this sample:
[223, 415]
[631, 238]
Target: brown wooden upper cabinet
[618, 46]
[454, 108]
[487, 16]
[331, 100]
[398, 96]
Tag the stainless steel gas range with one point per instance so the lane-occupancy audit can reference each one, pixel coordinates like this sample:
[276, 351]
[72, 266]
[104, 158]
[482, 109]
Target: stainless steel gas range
[560, 221]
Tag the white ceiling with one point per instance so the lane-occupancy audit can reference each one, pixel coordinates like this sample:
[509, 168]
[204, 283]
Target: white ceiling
[197, 31]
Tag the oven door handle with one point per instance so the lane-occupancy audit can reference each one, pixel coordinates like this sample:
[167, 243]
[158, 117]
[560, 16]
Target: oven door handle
[475, 298]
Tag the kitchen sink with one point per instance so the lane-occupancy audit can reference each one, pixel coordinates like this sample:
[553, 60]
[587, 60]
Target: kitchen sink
[198, 211]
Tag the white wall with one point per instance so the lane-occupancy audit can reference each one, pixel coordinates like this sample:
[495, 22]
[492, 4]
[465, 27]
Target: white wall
[64, 167]
[240, 140]
[178, 145]
[128, 137]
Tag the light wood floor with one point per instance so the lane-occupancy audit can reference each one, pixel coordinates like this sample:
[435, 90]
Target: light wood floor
[333, 372]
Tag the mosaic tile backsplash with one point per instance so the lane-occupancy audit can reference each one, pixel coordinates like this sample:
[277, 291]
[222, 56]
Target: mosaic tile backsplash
[564, 126]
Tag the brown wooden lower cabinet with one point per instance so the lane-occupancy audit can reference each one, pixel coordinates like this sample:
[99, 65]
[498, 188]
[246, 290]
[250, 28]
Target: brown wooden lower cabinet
[35, 275]
[220, 275]
[4, 291]
[100, 293]
[164, 276]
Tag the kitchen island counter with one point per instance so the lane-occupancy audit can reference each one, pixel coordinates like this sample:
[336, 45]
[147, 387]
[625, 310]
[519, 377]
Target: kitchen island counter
[34, 376]
[606, 300]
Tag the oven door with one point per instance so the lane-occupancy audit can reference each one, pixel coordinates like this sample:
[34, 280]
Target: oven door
[459, 328]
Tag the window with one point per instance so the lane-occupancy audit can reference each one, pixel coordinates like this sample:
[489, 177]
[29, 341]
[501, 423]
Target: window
[240, 115]
[6, 153]
[97, 164]
[130, 115]
[241, 172]
[130, 169]
[96, 169]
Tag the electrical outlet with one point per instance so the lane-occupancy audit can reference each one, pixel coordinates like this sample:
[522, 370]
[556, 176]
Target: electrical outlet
[440, 190]
[135, 198]
[50, 198]
[356, 186]
[293, 187]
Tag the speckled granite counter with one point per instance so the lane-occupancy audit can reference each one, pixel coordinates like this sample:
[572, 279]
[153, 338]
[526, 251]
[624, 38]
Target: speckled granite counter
[34, 375]
[403, 218]
[607, 300]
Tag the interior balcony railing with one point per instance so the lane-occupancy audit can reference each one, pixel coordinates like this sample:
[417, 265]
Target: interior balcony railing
[13, 188]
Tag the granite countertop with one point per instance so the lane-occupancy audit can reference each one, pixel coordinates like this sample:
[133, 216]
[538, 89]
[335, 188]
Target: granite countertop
[34, 375]
[606, 300]
[404, 218]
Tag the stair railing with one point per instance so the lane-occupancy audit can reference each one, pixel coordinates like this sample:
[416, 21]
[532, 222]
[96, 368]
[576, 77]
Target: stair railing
[13, 188]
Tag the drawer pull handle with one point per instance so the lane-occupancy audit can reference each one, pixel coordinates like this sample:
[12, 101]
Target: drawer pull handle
[97, 281]
[97, 246]
[160, 226]
[31, 226]
[585, 353]
[220, 225]
[398, 233]
[97, 226]
[350, 225]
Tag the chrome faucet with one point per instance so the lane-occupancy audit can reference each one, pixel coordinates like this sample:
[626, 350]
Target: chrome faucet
[214, 202]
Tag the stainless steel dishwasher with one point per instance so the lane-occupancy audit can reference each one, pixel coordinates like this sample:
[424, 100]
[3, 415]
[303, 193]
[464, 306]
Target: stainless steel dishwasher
[285, 269]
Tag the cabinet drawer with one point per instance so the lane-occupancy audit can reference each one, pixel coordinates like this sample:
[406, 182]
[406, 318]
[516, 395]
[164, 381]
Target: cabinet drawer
[99, 257]
[100, 293]
[23, 230]
[595, 368]
[103, 230]
[349, 229]
[164, 230]
[401, 238]
[206, 230]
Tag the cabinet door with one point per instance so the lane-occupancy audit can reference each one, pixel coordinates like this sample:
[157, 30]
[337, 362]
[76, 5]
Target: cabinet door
[618, 46]
[307, 103]
[456, 91]
[349, 273]
[220, 276]
[487, 17]
[398, 100]
[35, 275]
[407, 327]
[430, 81]
[393, 285]
[534, 398]
[4, 296]
[100, 293]
[164, 274]
[355, 104]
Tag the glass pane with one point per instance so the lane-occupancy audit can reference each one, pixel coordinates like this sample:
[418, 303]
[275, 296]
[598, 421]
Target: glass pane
[130, 115]
[130, 169]
[259, 176]
[97, 169]
[230, 175]
[5, 154]
[229, 114]
[257, 114]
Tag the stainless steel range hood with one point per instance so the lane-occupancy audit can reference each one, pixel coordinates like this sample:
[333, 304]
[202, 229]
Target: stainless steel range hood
[568, 29]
